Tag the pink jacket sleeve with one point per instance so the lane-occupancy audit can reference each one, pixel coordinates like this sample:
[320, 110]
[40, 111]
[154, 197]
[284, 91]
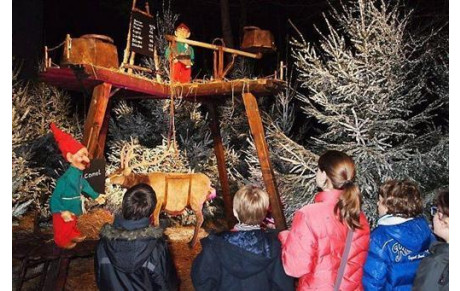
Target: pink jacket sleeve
[299, 247]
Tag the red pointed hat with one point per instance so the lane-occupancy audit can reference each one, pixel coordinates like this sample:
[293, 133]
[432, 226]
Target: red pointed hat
[65, 142]
[182, 25]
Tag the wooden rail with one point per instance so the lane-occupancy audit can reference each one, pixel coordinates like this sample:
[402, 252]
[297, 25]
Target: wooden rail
[214, 47]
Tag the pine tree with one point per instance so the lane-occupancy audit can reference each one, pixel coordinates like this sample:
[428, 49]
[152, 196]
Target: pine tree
[36, 160]
[368, 84]
[370, 87]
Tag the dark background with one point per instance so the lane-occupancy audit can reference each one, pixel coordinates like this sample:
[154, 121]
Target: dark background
[46, 22]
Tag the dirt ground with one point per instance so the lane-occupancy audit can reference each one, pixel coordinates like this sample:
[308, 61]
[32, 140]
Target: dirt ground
[81, 270]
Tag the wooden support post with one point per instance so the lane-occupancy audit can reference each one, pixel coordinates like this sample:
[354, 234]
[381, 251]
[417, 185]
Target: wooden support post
[46, 57]
[128, 40]
[229, 66]
[67, 46]
[214, 65]
[257, 130]
[95, 118]
[131, 62]
[220, 64]
[99, 152]
[156, 61]
[220, 155]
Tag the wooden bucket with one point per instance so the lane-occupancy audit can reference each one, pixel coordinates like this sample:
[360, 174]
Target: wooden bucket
[256, 40]
[94, 49]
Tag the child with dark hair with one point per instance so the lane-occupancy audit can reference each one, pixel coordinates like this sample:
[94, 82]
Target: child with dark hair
[433, 272]
[132, 254]
[400, 241]
[246, 258]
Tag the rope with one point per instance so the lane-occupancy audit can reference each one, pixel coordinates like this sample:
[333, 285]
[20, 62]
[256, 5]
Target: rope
[172, 126]
[56, 47]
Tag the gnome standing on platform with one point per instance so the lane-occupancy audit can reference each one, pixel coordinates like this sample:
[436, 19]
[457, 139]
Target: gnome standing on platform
[181, 56]
[66, 201]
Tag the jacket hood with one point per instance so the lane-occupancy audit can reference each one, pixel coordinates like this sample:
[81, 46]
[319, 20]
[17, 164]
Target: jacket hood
[440, 248]
[244, 253]
[414, 234]
[127, 249]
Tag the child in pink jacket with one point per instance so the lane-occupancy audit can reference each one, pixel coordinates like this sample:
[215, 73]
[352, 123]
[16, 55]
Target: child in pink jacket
[312, 250]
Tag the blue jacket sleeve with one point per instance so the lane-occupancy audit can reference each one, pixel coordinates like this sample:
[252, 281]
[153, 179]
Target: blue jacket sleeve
[89, 190]
[205, 271]
[376, 267]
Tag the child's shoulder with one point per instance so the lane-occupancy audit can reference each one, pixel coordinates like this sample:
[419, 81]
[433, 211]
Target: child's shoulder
[380, 234]
[314, 209]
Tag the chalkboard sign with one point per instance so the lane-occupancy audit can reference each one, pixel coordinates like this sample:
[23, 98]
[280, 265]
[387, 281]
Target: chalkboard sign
[95, 175]
[142, 32]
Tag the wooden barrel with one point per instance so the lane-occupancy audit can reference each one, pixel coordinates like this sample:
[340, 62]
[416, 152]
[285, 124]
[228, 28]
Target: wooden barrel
[93, 49]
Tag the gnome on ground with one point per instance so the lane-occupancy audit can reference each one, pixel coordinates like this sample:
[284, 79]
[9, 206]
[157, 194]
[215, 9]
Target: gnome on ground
[66, 200]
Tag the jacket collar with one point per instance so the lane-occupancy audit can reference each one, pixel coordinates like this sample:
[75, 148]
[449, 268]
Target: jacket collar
[127, 224]
[389, 219]
[330, 196]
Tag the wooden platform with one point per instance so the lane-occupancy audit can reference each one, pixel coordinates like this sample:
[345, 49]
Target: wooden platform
[104, 84]
[85, 77]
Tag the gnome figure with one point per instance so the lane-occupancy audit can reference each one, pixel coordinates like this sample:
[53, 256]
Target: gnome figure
[181, 56]
[66, 201]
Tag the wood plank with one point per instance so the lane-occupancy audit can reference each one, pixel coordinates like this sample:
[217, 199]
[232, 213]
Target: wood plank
[51, 275]
[64, 263]
[257, 130]
[131, 85]
[220, 155]
[95, 117]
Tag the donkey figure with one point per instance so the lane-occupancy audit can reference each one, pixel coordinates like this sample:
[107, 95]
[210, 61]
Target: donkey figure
[174, 191]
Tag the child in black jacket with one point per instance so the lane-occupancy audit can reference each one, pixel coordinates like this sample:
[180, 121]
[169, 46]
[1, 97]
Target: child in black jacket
[132, 254]
[433, 272]
[246, 258]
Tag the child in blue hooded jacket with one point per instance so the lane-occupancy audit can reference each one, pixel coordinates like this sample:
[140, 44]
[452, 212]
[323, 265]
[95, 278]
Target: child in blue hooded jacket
[400, 241]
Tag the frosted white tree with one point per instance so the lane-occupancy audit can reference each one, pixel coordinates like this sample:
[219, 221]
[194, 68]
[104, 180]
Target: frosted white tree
[36, 160]
[370, 87]
[368, 84]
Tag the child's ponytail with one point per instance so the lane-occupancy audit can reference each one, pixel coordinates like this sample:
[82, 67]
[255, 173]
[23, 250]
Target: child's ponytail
[340, 169]
[348, 208]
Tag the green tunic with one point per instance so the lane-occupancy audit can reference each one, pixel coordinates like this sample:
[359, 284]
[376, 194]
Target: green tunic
[66, 195]
[180, 49]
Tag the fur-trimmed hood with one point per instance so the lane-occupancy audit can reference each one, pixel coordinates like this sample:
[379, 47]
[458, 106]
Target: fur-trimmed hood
[112, 233]
[129, 250]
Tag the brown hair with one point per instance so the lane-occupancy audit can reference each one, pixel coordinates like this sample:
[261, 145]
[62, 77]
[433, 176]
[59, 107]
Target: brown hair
[402, 198]
[340, 169]
[442, 201]
[251, 204]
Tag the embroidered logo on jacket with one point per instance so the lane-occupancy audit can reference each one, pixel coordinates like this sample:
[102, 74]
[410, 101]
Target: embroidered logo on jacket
[400, 251]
